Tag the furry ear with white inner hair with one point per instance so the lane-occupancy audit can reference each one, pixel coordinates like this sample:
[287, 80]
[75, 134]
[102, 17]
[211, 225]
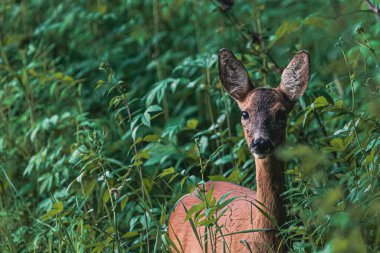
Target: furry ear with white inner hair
[296, 76]
[233, 75]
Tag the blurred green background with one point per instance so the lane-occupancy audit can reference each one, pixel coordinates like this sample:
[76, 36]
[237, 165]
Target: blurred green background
[108, 109]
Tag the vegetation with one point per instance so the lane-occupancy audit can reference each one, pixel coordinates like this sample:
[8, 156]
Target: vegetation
[112, 110]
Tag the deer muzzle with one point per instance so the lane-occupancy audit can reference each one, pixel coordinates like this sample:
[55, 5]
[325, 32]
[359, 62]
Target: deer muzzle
[261, 147]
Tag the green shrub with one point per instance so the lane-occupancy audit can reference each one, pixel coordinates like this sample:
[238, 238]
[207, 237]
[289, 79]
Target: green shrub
[110, 112]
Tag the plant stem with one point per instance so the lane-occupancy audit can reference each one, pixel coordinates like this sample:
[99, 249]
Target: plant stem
[156, 21]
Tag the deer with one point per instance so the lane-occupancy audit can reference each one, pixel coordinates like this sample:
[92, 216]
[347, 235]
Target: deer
[264, 118]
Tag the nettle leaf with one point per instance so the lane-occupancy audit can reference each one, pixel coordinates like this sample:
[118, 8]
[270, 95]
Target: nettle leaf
[369, 158]
[167, 172]
[373, 144]
[319, 102]
[154, 108]
[49, 122]
[146, 116]
[58, 206]
[99, 84]
[158, 91]
[192, 124]
[151, 138]
[339, 104]
[338, 144]
[56, 209]
[130, 234]
[223, 160]
[134, 132]
[174, 85]
[344, 129]
[146, 119]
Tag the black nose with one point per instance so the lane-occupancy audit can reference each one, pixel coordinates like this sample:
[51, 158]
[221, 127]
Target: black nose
[261, 146]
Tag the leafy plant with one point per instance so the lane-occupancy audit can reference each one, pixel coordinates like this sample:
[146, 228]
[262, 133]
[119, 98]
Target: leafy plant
[103, 102]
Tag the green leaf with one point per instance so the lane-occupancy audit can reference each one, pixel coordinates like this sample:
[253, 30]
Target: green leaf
[56, 209]
[99, 84]
[226, 203]
[337, 144]
[130, 234]
[319, 102]
[146, 119]
[123, 201]
[88, 187]
[106, 196]
[192, 124]
[286, 28]
[195, 209]
[153, 108]
[58, 206]
[339, 103]
[369, 158]
[183, 180]
[223, 160]
[167, 171]
[151, 138]
[220, 201]
[173, 177]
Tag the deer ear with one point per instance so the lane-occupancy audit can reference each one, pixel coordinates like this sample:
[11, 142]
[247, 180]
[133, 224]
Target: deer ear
[296, 76]
[233, 75]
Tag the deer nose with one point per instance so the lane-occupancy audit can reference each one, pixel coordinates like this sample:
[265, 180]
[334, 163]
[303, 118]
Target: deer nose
[261, 146]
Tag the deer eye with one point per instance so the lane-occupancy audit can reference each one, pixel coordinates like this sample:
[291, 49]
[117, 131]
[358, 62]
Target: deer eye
[281, 115]
[245, 115]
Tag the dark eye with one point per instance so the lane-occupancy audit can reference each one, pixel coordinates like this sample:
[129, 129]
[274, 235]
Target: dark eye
[245, 115]
[281, 115]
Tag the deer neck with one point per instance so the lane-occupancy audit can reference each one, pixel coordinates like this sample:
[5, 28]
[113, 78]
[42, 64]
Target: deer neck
[270, 181]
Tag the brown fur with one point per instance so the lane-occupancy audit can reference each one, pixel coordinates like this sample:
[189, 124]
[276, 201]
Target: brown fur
[263, 107]
[241, 214]
[296, 76]
[233, 75]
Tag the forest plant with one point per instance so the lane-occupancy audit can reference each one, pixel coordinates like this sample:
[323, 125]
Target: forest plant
[89, 165]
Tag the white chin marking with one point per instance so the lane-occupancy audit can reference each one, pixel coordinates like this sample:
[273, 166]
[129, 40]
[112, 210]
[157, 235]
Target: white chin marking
[260, 156]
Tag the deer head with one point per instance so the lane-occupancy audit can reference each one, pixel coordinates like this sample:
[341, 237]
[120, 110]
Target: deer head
[264, 110]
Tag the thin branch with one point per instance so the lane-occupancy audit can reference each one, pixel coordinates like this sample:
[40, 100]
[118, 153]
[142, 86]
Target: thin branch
[139, 169]
[374, 8]
[325, 134]
[348, 13]
[248, 36]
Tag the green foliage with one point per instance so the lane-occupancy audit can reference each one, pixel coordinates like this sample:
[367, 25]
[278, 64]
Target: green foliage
[112, 110]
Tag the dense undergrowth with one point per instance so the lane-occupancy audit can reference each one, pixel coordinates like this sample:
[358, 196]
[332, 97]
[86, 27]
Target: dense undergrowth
[110, 112]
